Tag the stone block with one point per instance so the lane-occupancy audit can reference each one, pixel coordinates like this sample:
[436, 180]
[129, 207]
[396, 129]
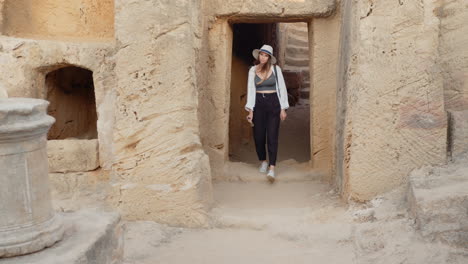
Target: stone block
[73, 155]
[458, 132]
[92, 236]
[438, 201]
[286, 9]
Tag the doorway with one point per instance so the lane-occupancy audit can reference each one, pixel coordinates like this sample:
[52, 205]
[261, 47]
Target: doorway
[290, 46]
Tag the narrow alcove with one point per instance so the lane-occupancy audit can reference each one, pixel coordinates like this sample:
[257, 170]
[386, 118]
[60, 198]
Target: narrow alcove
[70, 91]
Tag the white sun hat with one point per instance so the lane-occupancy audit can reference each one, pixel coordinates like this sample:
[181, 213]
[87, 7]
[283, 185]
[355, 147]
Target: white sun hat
[267, 49]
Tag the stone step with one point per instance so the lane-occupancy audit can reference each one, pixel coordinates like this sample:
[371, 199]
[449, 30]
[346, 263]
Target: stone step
[301, 31]
[305, 76]
[298, 42]
[260, 205]
[298, 34]
[296, 56]
[295, 50]
[296, 61]
[438, 198]
[242, 172]
[303, 69]
[302, 26]
[305, 93]
[297, 46]
[91, 236]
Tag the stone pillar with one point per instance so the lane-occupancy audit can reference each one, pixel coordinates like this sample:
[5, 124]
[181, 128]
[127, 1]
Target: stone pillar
[27, 220]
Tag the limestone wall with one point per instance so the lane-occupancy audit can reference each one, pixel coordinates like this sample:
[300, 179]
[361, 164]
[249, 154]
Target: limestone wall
[324, 40]
[394, 119]
[58, 18]
[214, 94]
[2, 5]
[160, 170]
[453, 43]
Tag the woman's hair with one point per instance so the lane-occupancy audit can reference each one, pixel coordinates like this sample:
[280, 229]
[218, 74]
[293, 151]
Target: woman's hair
[265, 68]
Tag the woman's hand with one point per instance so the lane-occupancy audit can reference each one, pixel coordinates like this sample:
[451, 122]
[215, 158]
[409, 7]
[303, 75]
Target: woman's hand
[283, 114]
[250, 117]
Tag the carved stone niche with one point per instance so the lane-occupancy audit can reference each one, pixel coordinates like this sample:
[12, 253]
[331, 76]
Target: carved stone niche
[28, 222]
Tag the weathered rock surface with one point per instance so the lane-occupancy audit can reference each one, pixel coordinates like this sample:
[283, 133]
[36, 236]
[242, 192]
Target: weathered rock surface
[3, 92]
[159, 162]
[251, 9]
[453, 40]
[392, 107]
[458, 132]
[323, 92]
[58, 19]
[438, 200]
[92, 236]
[70, 155]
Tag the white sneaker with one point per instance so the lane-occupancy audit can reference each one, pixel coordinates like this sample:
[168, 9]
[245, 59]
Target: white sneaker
[271, 175]
[263, 167]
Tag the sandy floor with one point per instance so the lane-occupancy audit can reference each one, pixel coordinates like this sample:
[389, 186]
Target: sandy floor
[289, 222]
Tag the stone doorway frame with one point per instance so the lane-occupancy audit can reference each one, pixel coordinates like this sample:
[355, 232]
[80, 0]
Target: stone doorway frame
[322, 45]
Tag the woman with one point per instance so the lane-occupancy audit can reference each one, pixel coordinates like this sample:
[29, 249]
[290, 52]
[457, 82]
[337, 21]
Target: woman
[267, 101]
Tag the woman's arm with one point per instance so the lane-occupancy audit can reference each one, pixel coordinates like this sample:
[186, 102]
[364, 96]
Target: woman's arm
[249, 106]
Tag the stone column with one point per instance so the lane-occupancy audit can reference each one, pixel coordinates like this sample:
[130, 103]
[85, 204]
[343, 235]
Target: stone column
[27, 220]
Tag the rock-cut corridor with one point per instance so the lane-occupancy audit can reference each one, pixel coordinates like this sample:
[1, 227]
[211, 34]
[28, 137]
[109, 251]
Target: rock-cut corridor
[292, 221]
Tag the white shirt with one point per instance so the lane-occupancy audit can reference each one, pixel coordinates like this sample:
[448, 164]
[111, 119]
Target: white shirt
[281, 91]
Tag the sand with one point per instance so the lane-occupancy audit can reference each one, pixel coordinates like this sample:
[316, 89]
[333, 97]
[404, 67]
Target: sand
[290, 222]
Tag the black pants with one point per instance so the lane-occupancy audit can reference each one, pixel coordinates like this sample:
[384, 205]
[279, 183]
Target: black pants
[266, 119]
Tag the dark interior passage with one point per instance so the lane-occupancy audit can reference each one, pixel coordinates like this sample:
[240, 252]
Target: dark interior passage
[294, 141]
[70, 91]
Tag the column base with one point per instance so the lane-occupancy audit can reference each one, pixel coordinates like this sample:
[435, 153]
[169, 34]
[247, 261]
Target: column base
[31, 239]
